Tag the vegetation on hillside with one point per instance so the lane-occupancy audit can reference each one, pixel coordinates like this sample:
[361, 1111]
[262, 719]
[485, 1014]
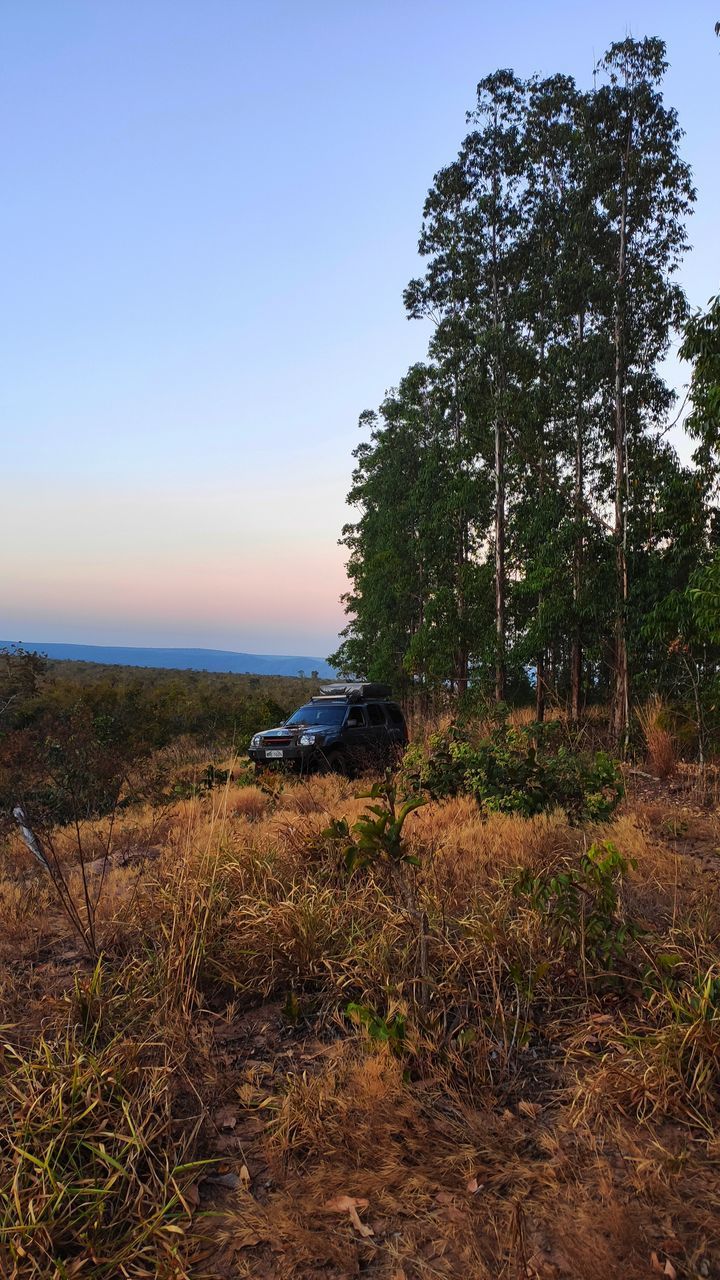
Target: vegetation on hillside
[75, 738]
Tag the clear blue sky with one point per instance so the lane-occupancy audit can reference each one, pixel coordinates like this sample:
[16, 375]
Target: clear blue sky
[209, 211]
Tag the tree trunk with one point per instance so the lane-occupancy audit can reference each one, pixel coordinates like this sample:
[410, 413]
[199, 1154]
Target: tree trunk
[461, 654]
[540, 688]
[499, 562]
[621, 685]
[499, 469]
[540, 680]
[576, 655]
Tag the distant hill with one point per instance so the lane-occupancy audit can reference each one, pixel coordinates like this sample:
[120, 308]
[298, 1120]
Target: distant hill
[254, 664]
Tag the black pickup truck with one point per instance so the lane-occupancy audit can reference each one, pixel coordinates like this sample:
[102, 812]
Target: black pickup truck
[345, 728]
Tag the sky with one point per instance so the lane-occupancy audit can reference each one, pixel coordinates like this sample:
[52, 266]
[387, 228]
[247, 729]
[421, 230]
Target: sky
[210, 209]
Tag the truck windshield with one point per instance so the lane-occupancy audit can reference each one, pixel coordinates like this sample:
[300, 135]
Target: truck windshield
[319, 713]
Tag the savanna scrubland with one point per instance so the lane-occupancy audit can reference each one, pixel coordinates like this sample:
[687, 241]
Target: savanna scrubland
[244, 1036]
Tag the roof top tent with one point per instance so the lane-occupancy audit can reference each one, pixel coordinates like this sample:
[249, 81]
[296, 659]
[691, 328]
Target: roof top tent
[354, 691]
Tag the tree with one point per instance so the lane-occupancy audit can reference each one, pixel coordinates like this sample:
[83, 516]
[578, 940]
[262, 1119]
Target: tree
[644, 191]
[519, 506]
[470, 233]
[701, 345]
[20, 674]
[413, 551]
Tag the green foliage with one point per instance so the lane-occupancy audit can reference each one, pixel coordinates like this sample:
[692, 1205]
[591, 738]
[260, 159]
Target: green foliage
[482, 548]
[516, 771]
[580, 904]
[385, 1030]
[705, 596]
[377, 835]
[73, 732]
[701, 345]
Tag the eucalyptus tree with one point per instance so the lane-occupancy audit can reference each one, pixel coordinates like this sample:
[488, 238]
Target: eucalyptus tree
[470, 234]
[644, 192]
[517, 504]
[386, 597]
[701, 345]
[550, 170]
[414, 550]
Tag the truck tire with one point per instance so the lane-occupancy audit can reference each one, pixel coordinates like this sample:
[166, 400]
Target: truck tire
[336, 762]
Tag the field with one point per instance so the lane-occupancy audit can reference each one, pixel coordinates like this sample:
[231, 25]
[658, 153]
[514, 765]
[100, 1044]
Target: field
[497, 1059]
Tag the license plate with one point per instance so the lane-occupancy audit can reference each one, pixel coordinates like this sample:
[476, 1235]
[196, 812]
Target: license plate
[273, 755]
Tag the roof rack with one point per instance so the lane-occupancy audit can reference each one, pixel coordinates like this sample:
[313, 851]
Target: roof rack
[353, 691]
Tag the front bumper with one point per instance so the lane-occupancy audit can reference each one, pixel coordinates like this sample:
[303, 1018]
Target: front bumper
[294, 755]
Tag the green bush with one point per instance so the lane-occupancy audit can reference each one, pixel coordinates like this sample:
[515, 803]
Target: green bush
[516, 771]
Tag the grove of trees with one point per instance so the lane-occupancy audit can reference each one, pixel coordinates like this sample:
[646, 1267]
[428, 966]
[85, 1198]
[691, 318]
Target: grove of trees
[525, 526]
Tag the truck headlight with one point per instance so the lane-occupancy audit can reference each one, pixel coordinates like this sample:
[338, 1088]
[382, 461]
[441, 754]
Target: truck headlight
[307, 739]
[256, 741]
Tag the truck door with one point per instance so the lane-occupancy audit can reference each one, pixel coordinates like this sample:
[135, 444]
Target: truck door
[356, 734]
[378, 737]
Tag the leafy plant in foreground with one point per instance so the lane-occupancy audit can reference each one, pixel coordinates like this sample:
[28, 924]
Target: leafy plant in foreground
[378, 833]
[377, 838]
[388, 1030]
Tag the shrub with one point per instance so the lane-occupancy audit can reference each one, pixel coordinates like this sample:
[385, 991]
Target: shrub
[516, 770]
[377, 835]
[580, 903]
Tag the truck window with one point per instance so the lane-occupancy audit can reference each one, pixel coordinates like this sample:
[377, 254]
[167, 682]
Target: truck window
[356, 718]
[376, 714]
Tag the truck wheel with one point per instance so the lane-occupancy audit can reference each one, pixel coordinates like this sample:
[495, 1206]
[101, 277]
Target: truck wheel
[335, 762]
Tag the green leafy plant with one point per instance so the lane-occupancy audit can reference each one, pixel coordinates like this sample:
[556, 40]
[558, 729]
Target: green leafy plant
[376, 839]
[581, 904]
[378, 833]
[388, 1030]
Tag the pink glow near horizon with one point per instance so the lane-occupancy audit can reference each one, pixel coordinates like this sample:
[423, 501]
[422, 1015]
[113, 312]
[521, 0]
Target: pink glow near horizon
[177, 573]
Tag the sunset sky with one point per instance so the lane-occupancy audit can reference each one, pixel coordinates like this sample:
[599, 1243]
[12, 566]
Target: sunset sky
[209, 211]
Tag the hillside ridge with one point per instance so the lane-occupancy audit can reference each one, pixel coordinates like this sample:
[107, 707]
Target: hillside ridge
[183, 659]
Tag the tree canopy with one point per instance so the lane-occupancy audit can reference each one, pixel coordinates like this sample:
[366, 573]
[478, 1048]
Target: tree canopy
[523, 521]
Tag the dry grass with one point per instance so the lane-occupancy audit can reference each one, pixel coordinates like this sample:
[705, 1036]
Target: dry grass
[543, 1112]
[248, 802]
[660, 742]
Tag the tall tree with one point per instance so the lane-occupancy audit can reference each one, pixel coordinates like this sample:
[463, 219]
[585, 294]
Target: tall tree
[645, 192]
[470, 231]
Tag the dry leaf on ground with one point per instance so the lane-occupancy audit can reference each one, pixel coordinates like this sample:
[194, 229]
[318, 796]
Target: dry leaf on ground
[664, 1270]
[350, 1205]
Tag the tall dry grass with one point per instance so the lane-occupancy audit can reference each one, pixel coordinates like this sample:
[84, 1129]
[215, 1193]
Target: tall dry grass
[535, 1074]
[659, 741]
